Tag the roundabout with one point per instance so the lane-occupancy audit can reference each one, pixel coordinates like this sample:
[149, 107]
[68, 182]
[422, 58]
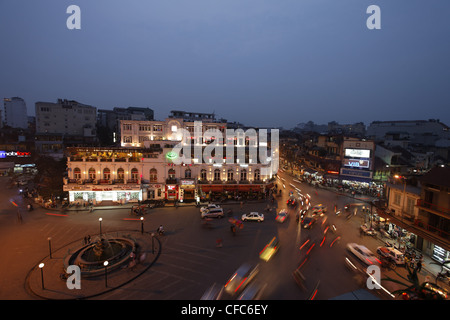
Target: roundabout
[106, 263]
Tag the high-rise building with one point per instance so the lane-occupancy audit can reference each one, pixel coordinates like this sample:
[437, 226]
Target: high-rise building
[15, 113]
[66, 117]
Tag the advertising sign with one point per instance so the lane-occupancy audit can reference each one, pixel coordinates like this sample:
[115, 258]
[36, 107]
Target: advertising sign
[357, 153]
[356, 163]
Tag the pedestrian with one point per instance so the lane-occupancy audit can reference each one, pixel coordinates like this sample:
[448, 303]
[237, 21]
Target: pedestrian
[419, 266]
[89, 239]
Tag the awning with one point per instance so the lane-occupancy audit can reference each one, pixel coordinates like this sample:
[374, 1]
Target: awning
[353, 178]
[249, 187]
[212, 188]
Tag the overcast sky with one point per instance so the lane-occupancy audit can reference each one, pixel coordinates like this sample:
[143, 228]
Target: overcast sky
[260, 62]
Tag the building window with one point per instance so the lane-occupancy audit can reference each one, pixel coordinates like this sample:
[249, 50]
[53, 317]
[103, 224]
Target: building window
[106, 174]
[171, 173]
[77, 173]
[397, 198]
[127, 139]
[92, 174]
[217, 174]
[134, 174]
[187, 173]
[120, 174]
[243, 175]
[257, 175]
[410, 206]
[153, 175]
[230, 175]
[203, 174]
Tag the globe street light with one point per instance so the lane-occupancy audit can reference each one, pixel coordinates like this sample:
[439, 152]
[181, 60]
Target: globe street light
[41, 266]
[106, 273]
[142, 225]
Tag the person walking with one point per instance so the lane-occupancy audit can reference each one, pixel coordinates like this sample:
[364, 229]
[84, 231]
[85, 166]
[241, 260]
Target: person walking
[419, 265]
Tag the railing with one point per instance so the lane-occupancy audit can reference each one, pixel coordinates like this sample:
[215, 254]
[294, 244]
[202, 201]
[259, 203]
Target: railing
[432, 229]
[423, 204]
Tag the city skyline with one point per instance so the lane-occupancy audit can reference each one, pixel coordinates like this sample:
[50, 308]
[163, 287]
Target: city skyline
[264, 64]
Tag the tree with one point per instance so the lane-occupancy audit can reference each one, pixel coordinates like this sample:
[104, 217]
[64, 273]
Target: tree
[414, 290]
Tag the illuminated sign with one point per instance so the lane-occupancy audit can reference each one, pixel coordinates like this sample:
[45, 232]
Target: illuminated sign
[356, 163]
[4, 154]
[171, 155]
[357, 153]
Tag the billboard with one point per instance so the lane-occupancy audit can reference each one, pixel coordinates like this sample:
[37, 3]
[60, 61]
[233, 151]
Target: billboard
[356, 163]
[357, 153]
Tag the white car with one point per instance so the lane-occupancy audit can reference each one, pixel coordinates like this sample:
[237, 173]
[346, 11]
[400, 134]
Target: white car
[209, 207]
[212, 213]
[363, 254]
[253, 216]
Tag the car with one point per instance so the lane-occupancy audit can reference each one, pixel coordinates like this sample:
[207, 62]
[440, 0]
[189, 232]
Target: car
[269, 250]
[363, 254]
[253, 291]
[241, 278]
[392, 253]
[253, 216]
[308, 221]
[282, 216]
[319, 209]
[213, 213]
[292, 202]
[208, 207]
[213, 293]
[436, 289]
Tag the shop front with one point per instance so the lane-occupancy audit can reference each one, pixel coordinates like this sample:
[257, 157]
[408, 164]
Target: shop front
[99, 195]
[153, 191]
[187, 190]
[171, 192]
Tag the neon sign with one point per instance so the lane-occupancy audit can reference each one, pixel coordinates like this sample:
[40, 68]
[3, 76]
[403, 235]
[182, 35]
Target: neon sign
[171, 155]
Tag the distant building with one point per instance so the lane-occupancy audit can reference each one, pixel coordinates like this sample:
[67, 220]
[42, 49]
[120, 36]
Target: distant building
[404, 133]
[66, 117]
[355, 129]
[108, 121]
[63, 124]
[15, 113]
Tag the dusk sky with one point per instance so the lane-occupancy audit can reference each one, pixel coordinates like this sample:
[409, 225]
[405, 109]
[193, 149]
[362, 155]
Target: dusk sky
[260, 62]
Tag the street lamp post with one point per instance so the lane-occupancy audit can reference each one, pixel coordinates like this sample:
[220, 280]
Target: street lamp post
[142, 225]
[100, 221]
[41, 266]
[50, 246]
[106, 272]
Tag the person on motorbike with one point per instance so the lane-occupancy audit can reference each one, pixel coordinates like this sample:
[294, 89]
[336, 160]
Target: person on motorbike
[160, 229]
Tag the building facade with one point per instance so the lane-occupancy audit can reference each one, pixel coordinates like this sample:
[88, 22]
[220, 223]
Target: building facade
[147, 167]
[15, 113]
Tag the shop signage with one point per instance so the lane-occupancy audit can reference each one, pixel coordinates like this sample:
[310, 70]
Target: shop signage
[356, 173]
[187, 182]
[20, 154]
[356, 163]
[357, 153]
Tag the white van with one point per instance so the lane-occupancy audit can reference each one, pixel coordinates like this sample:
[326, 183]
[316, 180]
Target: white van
[392, 253]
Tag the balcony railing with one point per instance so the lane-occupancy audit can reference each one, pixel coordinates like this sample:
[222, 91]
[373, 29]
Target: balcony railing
[426, 205]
